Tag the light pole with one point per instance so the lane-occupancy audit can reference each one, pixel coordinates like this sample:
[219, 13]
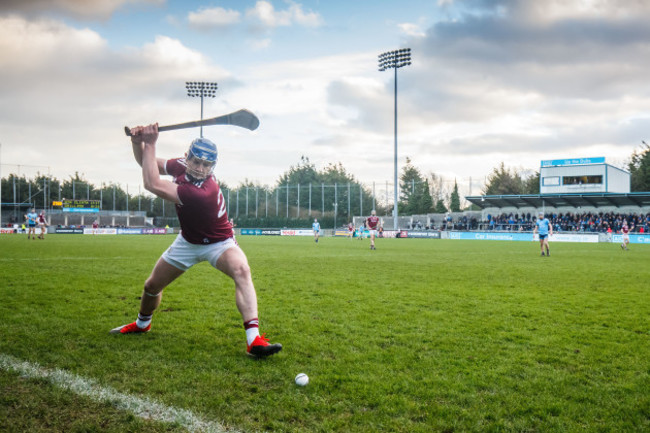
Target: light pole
[394, 60]
[0, 184]
[201, 89]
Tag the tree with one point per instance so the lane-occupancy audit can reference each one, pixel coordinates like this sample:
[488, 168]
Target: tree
[531, 184]
[503, 181]
[438, 193]
[639, 168]
[454, 199]
[415, 197]
[426, 202]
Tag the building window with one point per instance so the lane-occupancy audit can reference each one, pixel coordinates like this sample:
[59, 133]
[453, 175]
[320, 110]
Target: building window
[582, 180]
[551, 181]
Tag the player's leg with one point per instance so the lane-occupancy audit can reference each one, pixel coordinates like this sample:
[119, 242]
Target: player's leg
[233, 262]
[372, 239]
[161, 276]
[548, 253]
[541, 243]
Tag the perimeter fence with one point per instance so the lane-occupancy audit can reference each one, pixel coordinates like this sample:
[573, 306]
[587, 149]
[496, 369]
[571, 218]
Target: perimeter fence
[334, 204]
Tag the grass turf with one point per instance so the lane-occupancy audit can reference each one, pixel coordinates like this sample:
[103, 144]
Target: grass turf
[417, 336]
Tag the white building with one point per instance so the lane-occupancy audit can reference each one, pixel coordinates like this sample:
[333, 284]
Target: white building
[582, 175]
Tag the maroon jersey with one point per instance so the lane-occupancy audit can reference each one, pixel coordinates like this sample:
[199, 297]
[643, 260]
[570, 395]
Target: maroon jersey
[372, 222]
[202, 211]
[41, 218]
[625, 230]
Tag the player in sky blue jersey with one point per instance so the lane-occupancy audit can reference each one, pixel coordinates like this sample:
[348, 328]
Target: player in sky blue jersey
[545, 229]
[31, 218]
[316, 228]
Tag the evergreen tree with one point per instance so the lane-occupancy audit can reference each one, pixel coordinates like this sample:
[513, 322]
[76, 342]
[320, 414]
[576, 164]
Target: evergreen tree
[426, 202]
[531, 184]
[454, 199]
[415, 197]
[503, 181]
[440, 207]
[639, 168]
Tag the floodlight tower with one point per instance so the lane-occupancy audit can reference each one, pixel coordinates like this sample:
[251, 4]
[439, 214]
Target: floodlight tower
[395, 60]
[201, 89]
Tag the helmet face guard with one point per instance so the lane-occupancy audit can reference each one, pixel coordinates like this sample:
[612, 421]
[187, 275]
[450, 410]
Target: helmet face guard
[201, 158]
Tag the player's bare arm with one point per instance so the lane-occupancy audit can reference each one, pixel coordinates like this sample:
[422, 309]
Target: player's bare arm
[151, 169]
[138, 145]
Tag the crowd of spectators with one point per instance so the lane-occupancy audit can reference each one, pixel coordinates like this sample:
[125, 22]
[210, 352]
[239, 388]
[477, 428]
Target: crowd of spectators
[593, 222]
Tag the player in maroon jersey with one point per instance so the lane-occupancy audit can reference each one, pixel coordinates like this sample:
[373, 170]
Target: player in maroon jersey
[372, 222]
[625, 231]
[42, 223]
[206, 234]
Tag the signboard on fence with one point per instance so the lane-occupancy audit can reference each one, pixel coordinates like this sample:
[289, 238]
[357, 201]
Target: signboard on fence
[297, 232]
[260, 232]
[634, 238]
[68, 231]
[426, 234]
[516, 236]
[125, 231]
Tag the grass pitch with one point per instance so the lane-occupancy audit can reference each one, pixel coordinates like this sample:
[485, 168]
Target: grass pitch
[418, 336]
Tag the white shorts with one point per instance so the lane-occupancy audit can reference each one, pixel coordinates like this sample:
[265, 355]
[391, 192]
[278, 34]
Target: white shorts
[373, 232]
[183, 255]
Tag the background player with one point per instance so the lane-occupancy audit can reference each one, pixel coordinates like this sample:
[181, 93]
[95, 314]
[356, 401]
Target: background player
[350, 230]
[362, 228]
[42, 224]
[625, 231]
[545, 229]
[373, 223]
[206, 234]
[31, 218]
[316, 228]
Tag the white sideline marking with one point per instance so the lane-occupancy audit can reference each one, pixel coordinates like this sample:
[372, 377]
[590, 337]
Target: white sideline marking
[142, 407]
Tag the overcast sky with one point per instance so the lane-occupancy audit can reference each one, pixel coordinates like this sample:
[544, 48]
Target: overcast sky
[492, 81]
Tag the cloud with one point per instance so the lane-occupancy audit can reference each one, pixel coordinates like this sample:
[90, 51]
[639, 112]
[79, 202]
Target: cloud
[516, 81]
[96, 9]
[265, 16]
[411, 29]
[214, 18]
[259, 44]
[503, 63]
[65, 93]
